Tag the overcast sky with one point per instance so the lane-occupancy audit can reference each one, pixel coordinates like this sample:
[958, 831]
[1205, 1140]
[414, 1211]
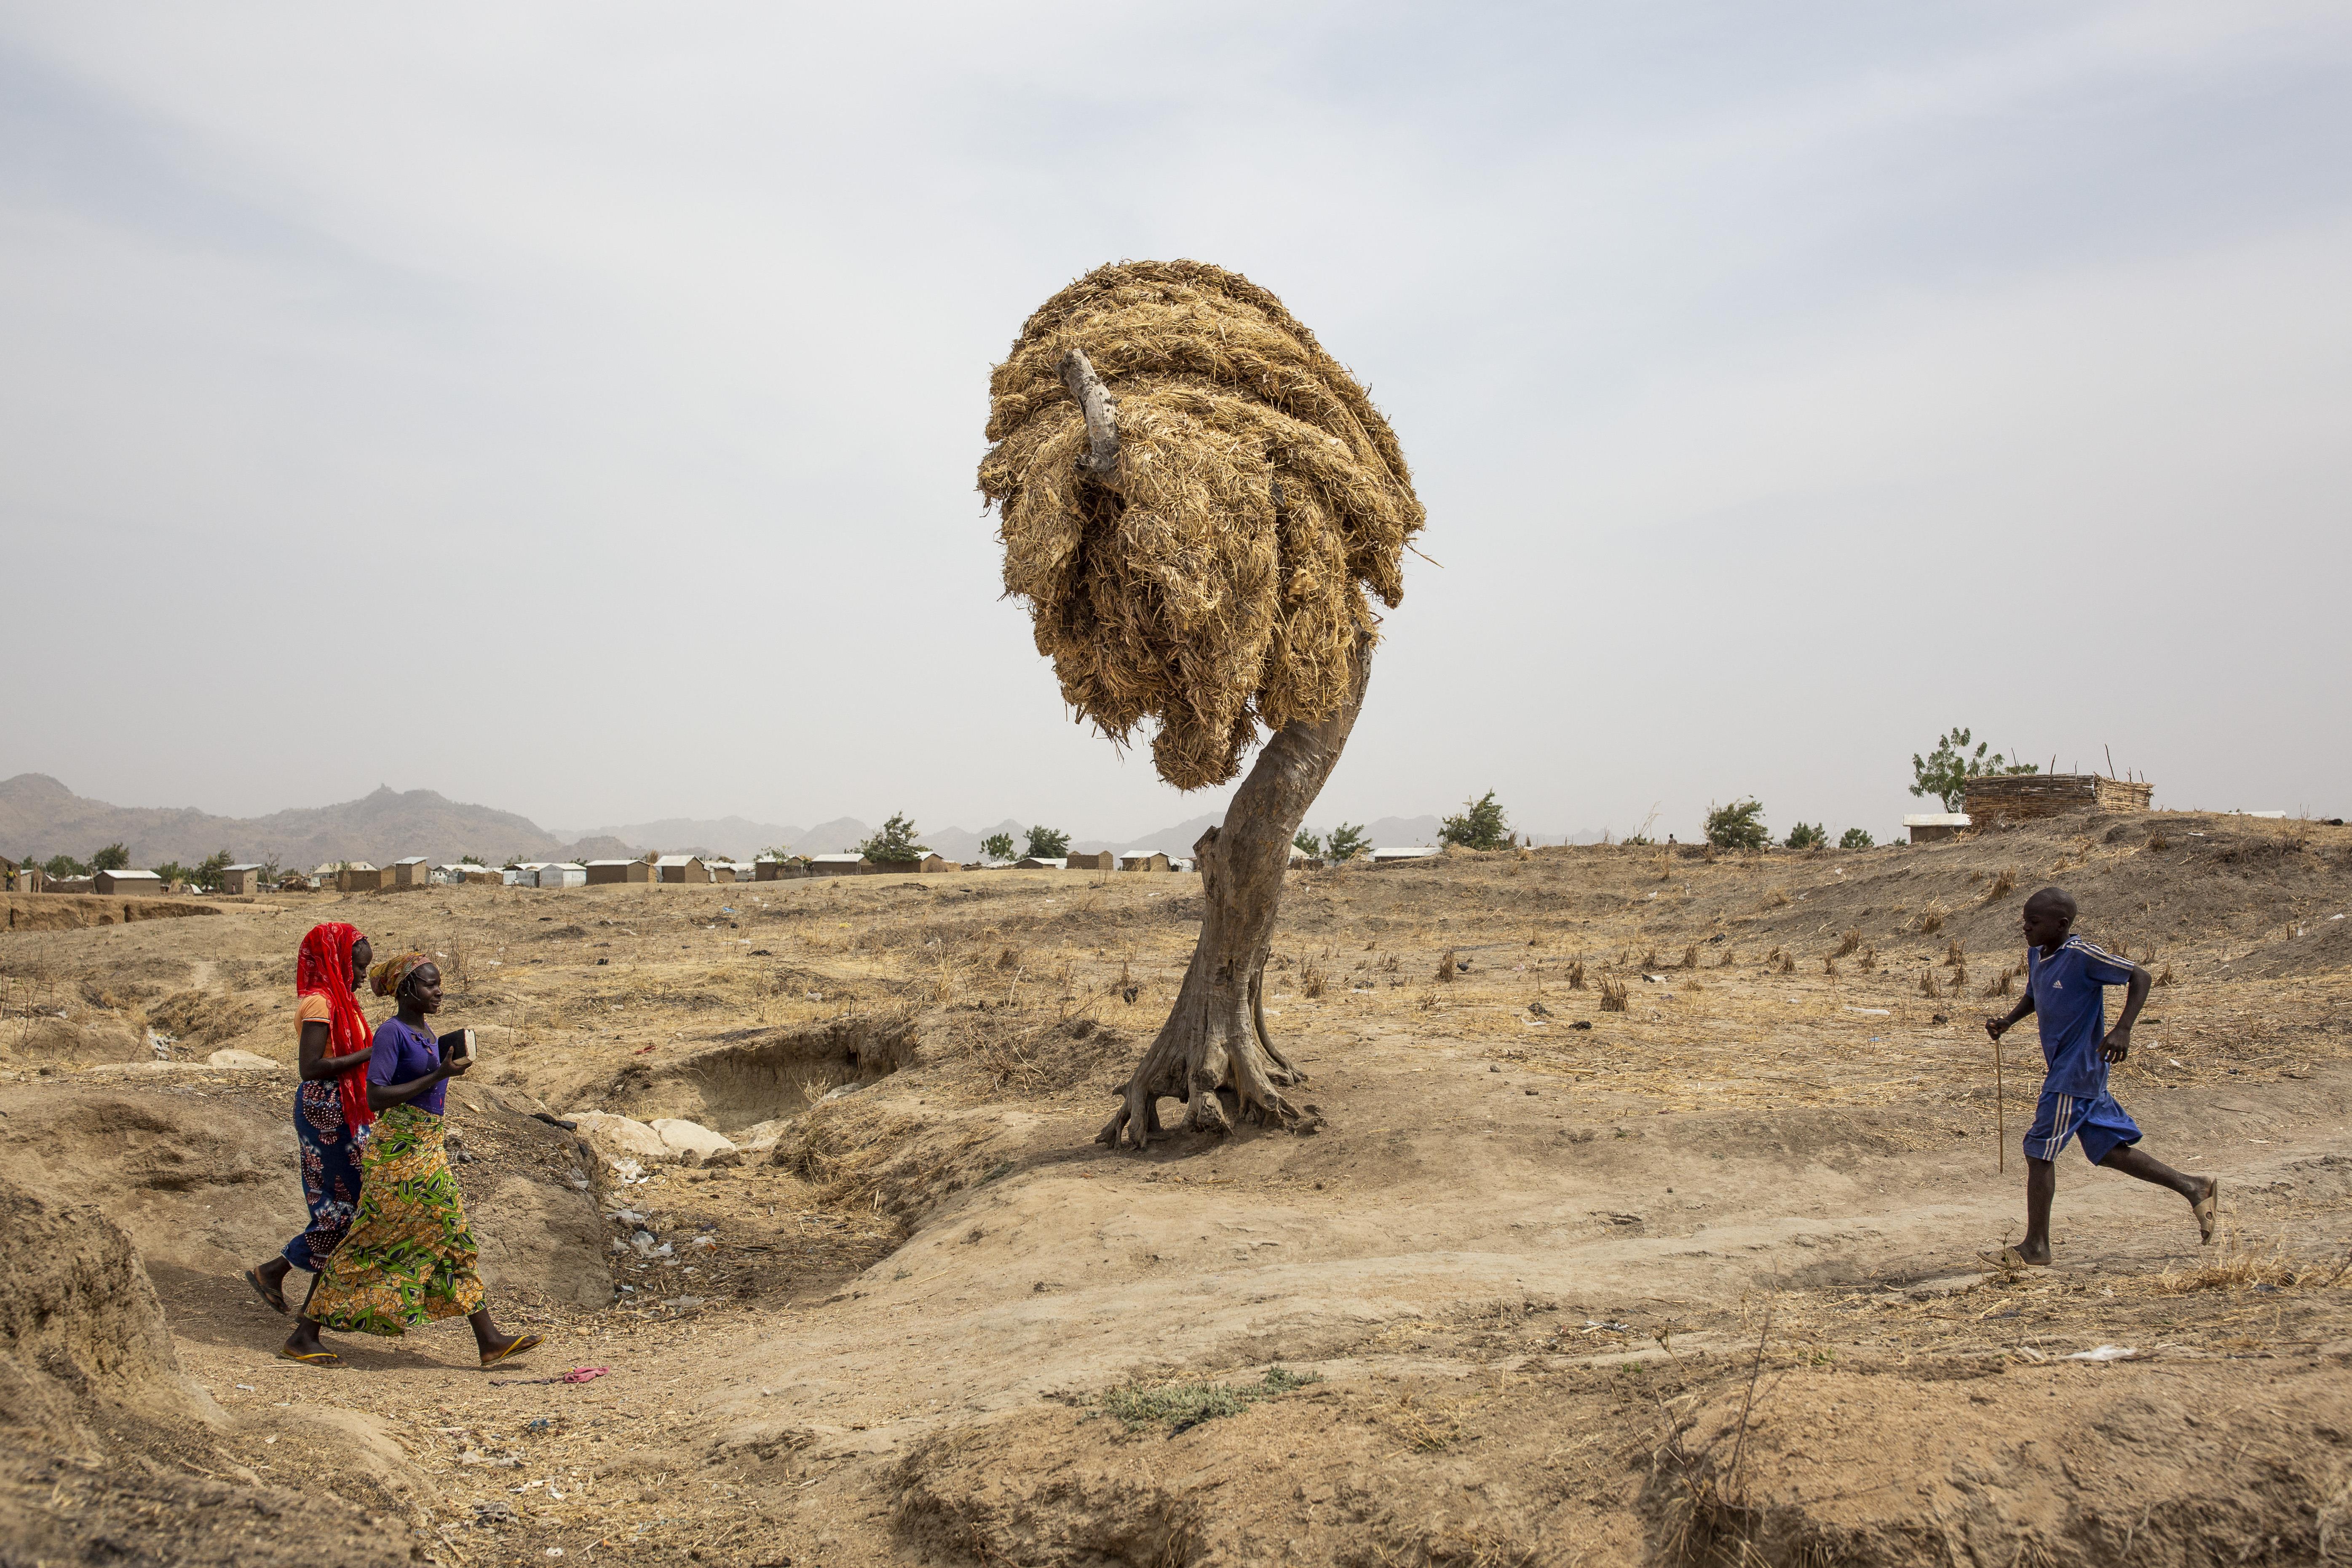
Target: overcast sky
[574, 408]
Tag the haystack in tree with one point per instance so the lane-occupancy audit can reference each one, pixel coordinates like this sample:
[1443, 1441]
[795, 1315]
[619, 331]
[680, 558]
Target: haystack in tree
[1194, 500]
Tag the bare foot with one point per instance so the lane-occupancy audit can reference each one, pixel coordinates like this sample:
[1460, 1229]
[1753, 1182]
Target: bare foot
[2207, 1208]
[2009, 1258]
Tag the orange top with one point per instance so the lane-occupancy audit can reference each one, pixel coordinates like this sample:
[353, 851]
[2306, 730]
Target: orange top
[313, 1010]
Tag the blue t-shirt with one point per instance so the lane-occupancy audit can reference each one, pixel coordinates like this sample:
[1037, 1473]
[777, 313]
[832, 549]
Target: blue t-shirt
[404, 1055]
[2072, 1008]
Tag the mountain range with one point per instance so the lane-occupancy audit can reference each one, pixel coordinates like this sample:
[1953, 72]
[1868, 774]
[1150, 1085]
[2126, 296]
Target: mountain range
[40, 817]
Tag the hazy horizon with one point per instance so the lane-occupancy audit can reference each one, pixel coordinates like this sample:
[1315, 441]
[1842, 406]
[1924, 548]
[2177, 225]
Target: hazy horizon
[574, 410]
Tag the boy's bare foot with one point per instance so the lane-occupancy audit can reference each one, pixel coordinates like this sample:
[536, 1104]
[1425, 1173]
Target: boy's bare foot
[2207, 1208]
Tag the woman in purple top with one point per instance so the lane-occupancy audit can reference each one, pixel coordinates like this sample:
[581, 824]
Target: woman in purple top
[410, 1257]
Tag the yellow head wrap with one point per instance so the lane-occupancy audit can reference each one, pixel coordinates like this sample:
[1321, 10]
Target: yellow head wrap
[386, 976]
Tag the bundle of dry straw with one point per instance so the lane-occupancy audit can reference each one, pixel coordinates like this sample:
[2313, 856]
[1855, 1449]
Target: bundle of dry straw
[1215, 578]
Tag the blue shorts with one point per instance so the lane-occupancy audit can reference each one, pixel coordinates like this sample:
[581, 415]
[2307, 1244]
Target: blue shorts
[2097, 1121]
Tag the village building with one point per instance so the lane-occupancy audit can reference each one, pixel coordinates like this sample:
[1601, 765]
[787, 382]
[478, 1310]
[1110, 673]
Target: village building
[136, 883]
[412, 872]
[676, 869]
[778, 871]
[72, 885]
[241, 881]
[359, 877]
[562, 874]
[1038, 863]
[602, 872]
[1143, 860]
[938, 862]
[29, 879]
[1403, 852]
[1935, 827]
[846, 864]
[1993, 800]
[1102, 861]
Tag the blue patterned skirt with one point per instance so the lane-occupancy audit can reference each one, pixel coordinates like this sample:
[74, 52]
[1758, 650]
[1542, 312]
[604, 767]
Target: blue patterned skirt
[331, 1173]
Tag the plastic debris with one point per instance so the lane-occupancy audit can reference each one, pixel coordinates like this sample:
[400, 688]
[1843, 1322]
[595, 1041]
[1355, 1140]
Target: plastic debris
[2105, 1353]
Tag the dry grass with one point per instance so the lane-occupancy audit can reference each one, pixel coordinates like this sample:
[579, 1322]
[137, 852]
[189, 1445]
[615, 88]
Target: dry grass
[1927, 987]
[2002, 885]
[1931, 919]
[1690, 956]
[1576, 976]
[1849, 943]
[2241, 1266]
[1216, 579]
[1446, 967]
[1612, 994]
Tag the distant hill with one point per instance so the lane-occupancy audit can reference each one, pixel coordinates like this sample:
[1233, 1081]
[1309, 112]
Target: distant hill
[40, 817]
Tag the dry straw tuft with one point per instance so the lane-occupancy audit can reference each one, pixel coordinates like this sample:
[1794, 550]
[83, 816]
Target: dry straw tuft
[1215, 580]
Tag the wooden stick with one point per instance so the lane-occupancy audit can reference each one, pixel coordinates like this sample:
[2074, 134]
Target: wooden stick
[1094, 401]
[1999, 1107]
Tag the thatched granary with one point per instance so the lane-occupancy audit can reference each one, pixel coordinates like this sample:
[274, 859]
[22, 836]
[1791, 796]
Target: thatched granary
[1195, 500]
[1994, 798]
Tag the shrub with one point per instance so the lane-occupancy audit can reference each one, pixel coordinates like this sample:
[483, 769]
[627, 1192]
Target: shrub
[1306, 844]
[1739, 825]
[1612, 994]
[206, 873]
[1808, 836]
[997, 846]
[1481, 825]
[65, 866]
[1856, 838]
[1945, 771]
[1347, 842]
[1046, 844]
[895, 841]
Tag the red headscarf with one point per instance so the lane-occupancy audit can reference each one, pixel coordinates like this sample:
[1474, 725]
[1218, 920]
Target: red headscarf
[325, 967]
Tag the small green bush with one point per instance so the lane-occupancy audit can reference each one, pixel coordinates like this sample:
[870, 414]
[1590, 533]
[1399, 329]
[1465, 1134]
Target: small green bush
[895, 841]
[1306, 844]
[1856, 838]
[1481, 825]
[1739, 825]
[1808, 836]
[1347, 842]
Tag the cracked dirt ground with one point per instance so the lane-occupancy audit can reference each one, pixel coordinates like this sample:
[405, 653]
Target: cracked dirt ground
[1692, 1281]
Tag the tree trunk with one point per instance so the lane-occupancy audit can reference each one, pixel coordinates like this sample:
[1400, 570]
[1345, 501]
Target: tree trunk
[1213, 1052]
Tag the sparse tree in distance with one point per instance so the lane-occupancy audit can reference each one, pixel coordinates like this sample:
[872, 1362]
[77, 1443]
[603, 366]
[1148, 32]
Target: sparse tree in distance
[65, 866]
[1306, 844]
[171, 871]
[1481, 825]
[997, 846]
[207, 873]
[1808, 836]
[895, 843]
[1945, 771]
[1347, 842]
[1739, 825]
[113, 858]
[1047, 844]
[1856, 838]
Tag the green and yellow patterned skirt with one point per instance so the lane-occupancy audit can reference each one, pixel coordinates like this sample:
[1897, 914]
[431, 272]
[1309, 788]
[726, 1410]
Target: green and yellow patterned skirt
[409, 1256]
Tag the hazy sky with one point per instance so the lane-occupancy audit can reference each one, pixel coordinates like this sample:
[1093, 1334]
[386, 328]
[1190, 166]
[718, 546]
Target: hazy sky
[574, 408]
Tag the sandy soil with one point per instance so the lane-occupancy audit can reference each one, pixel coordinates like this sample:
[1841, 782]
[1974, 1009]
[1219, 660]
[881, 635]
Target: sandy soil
[1691, 1281]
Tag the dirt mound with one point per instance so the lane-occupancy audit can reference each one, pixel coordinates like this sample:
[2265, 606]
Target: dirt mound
[71, 912]
[63, 1042]
[80, 1328]
[202, 1171]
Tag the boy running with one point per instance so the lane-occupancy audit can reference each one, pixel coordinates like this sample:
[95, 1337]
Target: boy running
[2064, 975]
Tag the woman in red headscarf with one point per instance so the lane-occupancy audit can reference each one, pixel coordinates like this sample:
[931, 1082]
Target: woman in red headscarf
[330, 1106]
